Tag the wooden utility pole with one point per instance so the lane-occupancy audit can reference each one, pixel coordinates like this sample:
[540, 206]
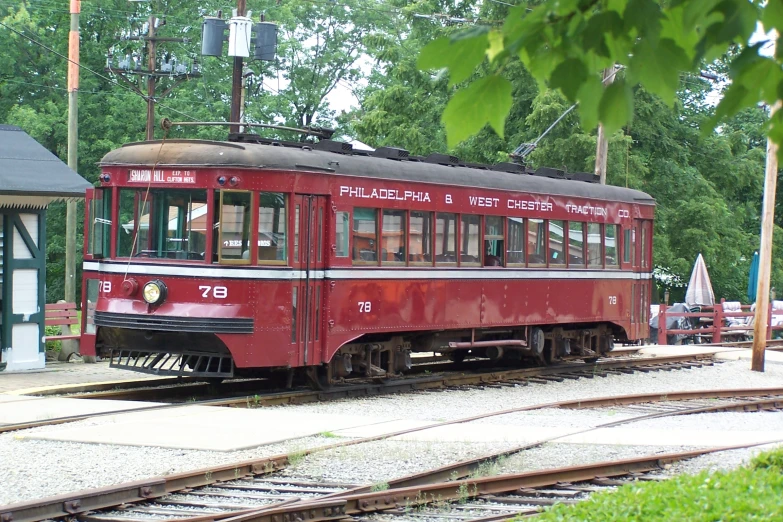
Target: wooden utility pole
[152, 74]
[236, 79]
[73, 162]
[151, 80]
[602, 147]
[765, 253]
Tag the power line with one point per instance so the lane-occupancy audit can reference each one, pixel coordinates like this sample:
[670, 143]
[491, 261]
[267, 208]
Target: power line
[110, 80]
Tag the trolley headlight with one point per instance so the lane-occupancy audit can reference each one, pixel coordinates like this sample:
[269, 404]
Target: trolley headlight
[154, 292]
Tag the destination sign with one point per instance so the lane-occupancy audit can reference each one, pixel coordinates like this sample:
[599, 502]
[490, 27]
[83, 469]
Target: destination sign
[173, 177]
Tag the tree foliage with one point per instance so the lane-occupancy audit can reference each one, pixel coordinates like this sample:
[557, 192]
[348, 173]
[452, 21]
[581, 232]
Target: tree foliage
[565, 44]
[708, 187]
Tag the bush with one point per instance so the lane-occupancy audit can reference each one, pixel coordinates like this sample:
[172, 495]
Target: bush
[749, 493]
[772, 460]
[53, 346]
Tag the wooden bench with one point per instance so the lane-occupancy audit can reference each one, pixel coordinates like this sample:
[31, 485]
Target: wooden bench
[63, 315]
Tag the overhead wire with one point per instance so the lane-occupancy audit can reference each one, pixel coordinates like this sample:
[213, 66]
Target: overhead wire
[81, 66]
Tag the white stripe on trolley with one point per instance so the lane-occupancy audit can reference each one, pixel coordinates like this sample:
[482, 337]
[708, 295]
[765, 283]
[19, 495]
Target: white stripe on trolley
[352, 273]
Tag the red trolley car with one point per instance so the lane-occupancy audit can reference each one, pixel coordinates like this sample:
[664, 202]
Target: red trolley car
[221, 259]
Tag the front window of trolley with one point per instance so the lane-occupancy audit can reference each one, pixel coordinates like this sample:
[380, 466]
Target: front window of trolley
[162, 224]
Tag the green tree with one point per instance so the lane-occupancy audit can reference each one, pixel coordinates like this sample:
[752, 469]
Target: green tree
[565, 44]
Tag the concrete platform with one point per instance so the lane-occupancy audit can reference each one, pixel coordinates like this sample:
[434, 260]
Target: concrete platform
[209, 428]
[24, 408]
[626, 436]
[720, 353]
[61, 373]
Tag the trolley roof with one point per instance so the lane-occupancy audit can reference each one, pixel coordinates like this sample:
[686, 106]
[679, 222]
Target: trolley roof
[214, 154]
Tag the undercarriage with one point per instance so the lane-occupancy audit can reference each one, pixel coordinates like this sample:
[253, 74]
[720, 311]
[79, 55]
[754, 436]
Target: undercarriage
[372, 356]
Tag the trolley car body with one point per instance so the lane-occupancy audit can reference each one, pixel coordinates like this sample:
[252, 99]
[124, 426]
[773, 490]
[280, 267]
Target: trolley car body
[281, 257]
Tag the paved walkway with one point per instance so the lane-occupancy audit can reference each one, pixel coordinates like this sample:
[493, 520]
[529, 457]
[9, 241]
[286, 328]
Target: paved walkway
[62, 373]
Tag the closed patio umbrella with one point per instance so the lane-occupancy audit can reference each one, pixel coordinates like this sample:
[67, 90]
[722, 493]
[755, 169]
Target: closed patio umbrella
[753, 278]
[700, 287]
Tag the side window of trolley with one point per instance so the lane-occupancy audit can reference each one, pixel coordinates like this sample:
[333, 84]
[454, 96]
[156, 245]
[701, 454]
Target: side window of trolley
[342, 233]
[494, 241]
[536, 242]
[445, 239]
[628, 245]
[99, 224]
[576, 244]
[610, 246]
[470, 254]
[420, 238]
[233, 219]
[594, 245]
[365, 236]
[393, 237]
[557, 234]
[162, 223]
[272, 224]
[646, 243]
[516, 242]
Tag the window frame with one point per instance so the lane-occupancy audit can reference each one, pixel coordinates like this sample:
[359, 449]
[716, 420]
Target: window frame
[616, 264]
[347, 224]
[480, 261]
[405, 216]
[545, 227]
[600, 246]
[360, 262]
[105, 251]
[256, 228]
[523, 221]
[494, 237]
[564, 244]
[431, 262]
[628, 246]
[456, 240]
[584, 245]
[251, 207]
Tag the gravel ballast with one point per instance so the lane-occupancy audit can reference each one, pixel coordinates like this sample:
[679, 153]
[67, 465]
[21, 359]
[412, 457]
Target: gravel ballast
[33, 469]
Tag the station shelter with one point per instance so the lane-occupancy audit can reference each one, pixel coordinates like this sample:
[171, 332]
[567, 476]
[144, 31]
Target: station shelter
[31, 178]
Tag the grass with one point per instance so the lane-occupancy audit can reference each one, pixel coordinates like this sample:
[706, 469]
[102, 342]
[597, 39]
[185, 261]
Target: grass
[753, 492]
[295, 457]
[329, 435]
[381, 486]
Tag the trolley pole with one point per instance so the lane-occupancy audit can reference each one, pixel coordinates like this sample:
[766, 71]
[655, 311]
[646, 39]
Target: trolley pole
[236, 80]
[602, 147]
[73, 161]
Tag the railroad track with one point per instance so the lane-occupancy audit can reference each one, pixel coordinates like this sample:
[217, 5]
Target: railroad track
[427, 382]
[427, 377]
[236, 490]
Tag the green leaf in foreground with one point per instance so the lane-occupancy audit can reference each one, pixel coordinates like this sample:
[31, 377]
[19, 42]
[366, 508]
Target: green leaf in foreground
[616, 106]
[658, 66]
[460, 55]
[486, 100]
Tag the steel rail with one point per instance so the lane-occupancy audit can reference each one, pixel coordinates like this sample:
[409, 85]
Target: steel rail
[462, 469]
[365, 390]
[100, 498]
[402, 498]
[466, 467]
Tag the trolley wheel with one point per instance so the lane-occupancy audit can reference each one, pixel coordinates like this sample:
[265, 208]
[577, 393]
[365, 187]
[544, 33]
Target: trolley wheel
[318, 377]
[458, 356]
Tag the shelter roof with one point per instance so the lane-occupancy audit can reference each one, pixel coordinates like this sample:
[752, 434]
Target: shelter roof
[30, 175]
